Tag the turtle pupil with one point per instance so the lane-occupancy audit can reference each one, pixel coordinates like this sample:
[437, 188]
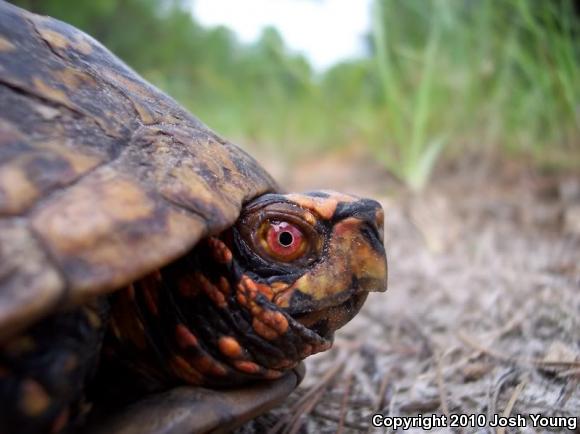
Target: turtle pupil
[286, 239]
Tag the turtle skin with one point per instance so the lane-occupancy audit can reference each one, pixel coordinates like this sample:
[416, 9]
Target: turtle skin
[144, 259]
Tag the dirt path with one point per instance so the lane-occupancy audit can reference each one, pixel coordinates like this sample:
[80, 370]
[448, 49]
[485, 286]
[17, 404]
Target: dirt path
[482, 312]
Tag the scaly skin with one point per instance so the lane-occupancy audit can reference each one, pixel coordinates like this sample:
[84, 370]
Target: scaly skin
[227, 313]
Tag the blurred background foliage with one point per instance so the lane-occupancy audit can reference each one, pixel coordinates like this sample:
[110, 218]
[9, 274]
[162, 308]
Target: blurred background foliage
[442, 79]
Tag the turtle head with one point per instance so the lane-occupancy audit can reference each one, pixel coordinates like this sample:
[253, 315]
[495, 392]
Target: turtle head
[256, 299]
[317, 254]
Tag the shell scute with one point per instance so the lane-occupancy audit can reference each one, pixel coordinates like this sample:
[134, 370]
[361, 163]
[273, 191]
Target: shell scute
[108, 177]
[106, 246]
[29, 284]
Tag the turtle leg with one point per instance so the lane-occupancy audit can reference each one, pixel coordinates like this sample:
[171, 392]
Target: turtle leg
[195, 410]
[44, 371]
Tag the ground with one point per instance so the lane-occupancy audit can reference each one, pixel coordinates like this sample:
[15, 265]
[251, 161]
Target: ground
[482, 311]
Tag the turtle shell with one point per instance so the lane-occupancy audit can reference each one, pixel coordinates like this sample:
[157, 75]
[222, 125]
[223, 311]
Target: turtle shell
[103, 178]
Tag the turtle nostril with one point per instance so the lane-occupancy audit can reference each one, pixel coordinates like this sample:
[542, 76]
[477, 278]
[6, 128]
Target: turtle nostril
[372, 233]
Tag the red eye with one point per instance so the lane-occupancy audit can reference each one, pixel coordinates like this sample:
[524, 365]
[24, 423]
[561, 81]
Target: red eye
[285, 241]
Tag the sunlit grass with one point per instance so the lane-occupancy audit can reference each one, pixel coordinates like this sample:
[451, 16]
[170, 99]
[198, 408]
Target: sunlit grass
[445, 77]
[442, 78]
[485, 76]
[410, 107]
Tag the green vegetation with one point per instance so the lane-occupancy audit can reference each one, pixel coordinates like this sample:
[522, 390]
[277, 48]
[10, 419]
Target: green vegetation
[443, 78]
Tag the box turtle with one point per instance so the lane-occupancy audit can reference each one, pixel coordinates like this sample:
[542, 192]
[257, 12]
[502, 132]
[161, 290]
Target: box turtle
[153, 277]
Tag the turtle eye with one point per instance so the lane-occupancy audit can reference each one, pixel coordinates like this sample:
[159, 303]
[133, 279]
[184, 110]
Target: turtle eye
[284, 241]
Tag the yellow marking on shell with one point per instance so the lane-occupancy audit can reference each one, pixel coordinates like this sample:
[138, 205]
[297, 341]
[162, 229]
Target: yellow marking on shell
[17, 191]
[10, 132]
[79, 161]
[62, 42]
[134, 87]
[74, 79]
[55, 39]
[123, 202]
[111, 125]
[48, 113]
[6, 45]
[51, 93]
[83, 45]
[137, 93]
[177, 161]
[230, 347]
[33, 399]
[192, 190]
[148, 117]
[126, 201]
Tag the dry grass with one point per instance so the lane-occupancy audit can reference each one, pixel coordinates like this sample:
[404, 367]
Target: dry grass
[481, 315]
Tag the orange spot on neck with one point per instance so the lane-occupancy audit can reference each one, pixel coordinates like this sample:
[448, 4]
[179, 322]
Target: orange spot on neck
[230, 347]
[184, 337]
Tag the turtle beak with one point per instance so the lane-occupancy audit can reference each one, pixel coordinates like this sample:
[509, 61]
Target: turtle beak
[355, 264]
[367, 262]
[360, 226]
